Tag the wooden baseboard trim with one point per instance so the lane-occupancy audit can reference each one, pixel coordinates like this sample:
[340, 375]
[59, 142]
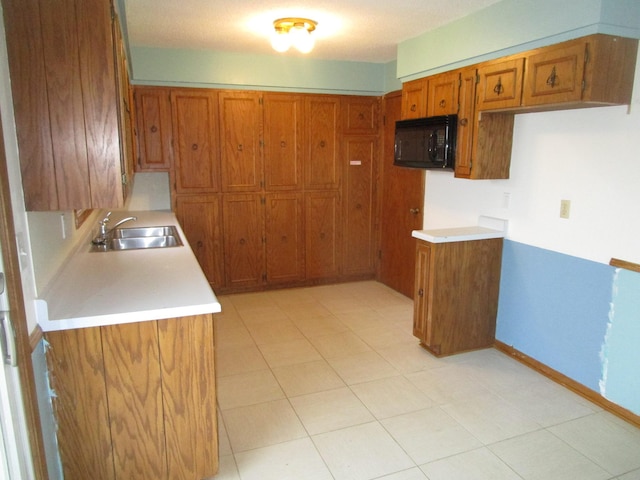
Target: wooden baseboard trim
[34, 337]
[569, 383]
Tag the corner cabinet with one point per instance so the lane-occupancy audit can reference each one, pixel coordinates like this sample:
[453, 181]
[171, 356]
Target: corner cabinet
[136, 400]
[63, 61]
[456, 294]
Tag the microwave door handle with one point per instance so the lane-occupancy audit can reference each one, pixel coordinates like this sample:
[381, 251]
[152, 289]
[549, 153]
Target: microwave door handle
[432, 150]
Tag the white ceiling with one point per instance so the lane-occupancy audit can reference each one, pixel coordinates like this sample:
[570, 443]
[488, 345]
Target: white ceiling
[348, 30]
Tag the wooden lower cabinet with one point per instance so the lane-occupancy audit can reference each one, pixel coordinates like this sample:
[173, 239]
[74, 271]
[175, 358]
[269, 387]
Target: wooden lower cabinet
[284, 238]
[136, 400]
[322, 234]
[201, 220]
[456, 294]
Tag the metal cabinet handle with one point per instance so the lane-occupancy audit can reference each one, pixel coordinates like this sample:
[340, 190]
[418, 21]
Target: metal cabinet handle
[498, 89]
[414, 211]
[421, 293]
[552, 79]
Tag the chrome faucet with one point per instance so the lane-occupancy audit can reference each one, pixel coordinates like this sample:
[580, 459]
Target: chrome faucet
[103, 232]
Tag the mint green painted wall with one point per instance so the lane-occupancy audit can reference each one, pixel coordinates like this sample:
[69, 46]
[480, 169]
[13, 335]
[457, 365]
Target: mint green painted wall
[512, 26]
[201, 68]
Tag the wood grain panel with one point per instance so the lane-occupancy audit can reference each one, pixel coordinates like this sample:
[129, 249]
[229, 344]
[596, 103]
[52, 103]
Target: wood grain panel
[360, 115]
[500, 84]
[201, 220]
[322, 167]
[492, 144]
[77, 376]
[132, 372]
[414, 98]
[195, 134]
[30, 102]
[443, 94]
[243, 220]
[62, 43]
[240, 133]
[100, 101]
[360, 161]
[466, 122]
[283, 141]
[322, 234]
[187, 359]
[153, 109]
[284, 234]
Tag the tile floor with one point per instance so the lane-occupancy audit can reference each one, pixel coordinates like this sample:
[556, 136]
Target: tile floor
[328, 383]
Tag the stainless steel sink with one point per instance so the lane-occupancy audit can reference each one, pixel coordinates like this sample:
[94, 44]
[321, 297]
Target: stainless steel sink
[136, 238]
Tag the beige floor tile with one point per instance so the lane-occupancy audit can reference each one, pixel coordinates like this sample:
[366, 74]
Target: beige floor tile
[635, 475]
[275, 331]
[318, 326]
[330, 410]
[447, 384]
[299, 350]
[259, 315]
[362, 367]
[339, 345]
[408, 358]
[247, 389]
[385, 336]
[233, 336]
[606, 440]
[293, 460]
[361, 318]
[231, 361]
[542, 456]
[430, 434]
[224, 447]
[490, 419]
[391, 396]
[308, 310]
[411, 474]
[478, 464]
[304, 378]
[227, 470]
[263, 424]
[362, 452]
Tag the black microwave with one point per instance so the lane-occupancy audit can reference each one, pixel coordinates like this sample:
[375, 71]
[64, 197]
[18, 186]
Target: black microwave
[428, 142]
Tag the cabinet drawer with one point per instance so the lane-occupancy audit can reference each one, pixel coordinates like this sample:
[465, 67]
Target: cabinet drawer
[555, 76]
[500, 84]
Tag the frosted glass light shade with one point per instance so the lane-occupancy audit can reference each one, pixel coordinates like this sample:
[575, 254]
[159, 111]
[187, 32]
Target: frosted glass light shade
[280, 41]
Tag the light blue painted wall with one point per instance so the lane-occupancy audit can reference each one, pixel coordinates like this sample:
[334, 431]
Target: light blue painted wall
[201, 68]
[513, 26]
[621, 353]
[555, 308]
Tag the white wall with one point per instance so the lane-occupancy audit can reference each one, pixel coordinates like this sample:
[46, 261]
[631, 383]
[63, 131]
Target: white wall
[589, 156]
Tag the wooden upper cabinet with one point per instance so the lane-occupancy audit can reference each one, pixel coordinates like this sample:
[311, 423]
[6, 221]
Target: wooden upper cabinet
[597, 69]
[500, 84]
[283, 127]
[442, 96]
[195, 134]
[414, 98]
[61, 57]
[154, 135]
[240, 135]
[466, 122]
[360, 115]
[321, 164]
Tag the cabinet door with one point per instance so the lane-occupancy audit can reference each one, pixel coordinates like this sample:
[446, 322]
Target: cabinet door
[200, 219]
[322, 234]
[283, 141]
[555, 75]
[360, 115]
[359, 197]
[240, 133]
[421, 313]
[195, 133]
[243, 219]
[466, 122]
[414, 99]
[443, 94]
[321, 164]
[284, 234]
[500, 84]
[153, 116]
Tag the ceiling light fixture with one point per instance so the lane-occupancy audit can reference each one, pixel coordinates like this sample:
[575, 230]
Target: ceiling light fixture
[295, 32]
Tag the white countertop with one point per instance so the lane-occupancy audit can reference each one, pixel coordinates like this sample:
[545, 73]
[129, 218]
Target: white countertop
[488, 227]
[106, 288]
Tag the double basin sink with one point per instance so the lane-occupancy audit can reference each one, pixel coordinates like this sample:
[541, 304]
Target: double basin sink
[136, 238]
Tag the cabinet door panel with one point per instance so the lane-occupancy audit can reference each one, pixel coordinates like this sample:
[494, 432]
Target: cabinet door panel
[500, 84]
[196, 146]
[421, 302]
[283, 141]
[466, 122]
[358, 217]
[243, 217]
[322, 234]
[322, 168]
[241, 156]
[555, 75]
[414, 99]
[284, 229]
[153, 114]
[443, 94]
[360, 115]
[200, 219]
